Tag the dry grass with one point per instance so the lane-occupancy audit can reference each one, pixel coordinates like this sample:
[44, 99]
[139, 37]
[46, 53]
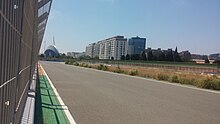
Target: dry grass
[198, 80]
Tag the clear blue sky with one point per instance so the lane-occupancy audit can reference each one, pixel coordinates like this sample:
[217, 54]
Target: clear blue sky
[192, 25]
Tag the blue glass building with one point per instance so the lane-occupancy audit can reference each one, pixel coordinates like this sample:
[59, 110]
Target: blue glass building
[136, 45]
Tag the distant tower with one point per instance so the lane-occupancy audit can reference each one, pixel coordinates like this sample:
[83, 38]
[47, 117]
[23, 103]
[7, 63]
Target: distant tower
[54, 41]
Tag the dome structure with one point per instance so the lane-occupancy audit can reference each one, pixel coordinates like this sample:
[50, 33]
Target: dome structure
[51, 51]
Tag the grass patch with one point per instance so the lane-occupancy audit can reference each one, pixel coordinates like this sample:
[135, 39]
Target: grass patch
[212, 83]
[175, 79]
[102, 67]
[133, 72]
[163, 77]
[76, 64]
[84, 65]
[118, 70]
[69, 61]
[133, 62]
[201, 81]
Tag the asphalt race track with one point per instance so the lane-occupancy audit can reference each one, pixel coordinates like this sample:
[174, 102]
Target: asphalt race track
[98, 97]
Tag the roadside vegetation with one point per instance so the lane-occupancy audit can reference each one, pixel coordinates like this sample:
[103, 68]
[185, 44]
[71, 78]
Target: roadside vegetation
[165, 63]
[198, 80]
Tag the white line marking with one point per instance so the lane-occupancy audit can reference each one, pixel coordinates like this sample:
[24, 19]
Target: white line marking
[153, 80]
[65, 108]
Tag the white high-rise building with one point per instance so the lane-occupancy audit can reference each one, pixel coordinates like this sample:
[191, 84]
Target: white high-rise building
[90, 50]
[96, 50]
[75, 54]
[112, 48]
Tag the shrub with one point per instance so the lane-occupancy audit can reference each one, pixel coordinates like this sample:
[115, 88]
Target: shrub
[118, 70]
[212, 83]
[189, 80]
[163, 77]
[148, 76]
[105, 68]
[133, 72]
[66, 62]
[151, 76]
[83, 65]
[102, 67]
[76, 64]
[86, 65]
[184, 80]
[69, 61]
[175, 79]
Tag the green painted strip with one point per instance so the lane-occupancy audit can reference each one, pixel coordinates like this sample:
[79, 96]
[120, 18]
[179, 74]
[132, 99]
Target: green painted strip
[48, 109]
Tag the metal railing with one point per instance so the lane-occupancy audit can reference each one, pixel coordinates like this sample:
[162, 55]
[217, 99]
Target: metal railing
[22, 26]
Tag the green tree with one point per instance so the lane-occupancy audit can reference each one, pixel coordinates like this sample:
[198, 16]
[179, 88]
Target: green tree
[169, 55]
[150, 55]
[127, 57]
[42, 55]
[217, 62]
[96, 57]
[155, 57]
[207, 61]
[143, 56]
[135, 57]
[123, 57]
[69, 57]
[176, 56]
[161, 57]
[84, 58]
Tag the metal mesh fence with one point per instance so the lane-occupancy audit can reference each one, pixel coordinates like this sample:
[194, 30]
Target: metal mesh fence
[22, 26]
[167, 65]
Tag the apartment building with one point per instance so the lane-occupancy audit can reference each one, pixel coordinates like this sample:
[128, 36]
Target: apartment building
[112, 48]
[90, 50]
[96, 49]
[115, 47]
